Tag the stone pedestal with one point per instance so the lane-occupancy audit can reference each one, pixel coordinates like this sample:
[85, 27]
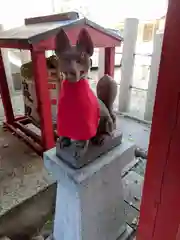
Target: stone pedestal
[90, 203]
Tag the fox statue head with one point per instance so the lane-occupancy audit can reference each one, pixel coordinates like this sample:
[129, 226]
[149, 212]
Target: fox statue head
[74, 61]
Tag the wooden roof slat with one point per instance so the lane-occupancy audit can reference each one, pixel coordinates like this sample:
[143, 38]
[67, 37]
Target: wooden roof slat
[29, 32]
[52, 18]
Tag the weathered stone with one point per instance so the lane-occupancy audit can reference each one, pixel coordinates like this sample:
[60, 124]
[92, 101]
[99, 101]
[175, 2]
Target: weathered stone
[90, 201]
[91, 154]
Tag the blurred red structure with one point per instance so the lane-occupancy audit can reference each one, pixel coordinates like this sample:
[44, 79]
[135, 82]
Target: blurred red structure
[160, 213]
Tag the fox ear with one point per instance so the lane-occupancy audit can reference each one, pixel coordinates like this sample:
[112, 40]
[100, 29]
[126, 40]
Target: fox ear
[62, 43]
[84, 42]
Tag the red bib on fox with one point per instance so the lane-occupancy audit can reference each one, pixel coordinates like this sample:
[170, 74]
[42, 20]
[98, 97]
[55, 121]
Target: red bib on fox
[78, 111]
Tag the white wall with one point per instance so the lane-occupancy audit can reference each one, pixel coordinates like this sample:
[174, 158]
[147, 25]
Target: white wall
[13, 12]
[153, 78]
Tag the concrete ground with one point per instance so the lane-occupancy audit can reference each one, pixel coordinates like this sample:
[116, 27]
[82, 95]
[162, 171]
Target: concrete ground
[22, 173]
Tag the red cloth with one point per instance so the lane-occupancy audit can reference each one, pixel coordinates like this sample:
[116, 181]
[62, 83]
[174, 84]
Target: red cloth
[78, 111]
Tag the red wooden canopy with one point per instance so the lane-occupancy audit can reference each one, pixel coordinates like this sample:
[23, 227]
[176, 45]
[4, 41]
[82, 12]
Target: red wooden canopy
[41, 35]
[38, 36]
[160, 212]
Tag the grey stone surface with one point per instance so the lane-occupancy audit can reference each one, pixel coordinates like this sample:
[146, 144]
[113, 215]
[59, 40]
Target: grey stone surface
[90, 202]
[140, 167]
[132, 215]
[132, 184]
[91, 154]
[27, 218]
[125, 236]
[127, 233]
[136, 132]
[129, 166]
[22, 173]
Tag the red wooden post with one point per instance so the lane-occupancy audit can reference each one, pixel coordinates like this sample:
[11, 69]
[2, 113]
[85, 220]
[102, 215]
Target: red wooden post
[160, 213]
[43, 98]
[4, 90]
[109, 61]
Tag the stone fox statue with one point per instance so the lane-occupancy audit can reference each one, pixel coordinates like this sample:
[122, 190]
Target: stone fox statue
[82, 117]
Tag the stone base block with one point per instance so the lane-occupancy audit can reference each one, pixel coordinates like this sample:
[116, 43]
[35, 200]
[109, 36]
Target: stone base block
[90, 201]
[92, 153]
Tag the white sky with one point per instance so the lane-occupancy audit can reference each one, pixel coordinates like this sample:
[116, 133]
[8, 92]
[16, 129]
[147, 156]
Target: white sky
[113, 11]
[104, 12]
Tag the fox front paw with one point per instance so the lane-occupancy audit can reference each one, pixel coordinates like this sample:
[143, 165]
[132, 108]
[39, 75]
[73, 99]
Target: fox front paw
[64, 142]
